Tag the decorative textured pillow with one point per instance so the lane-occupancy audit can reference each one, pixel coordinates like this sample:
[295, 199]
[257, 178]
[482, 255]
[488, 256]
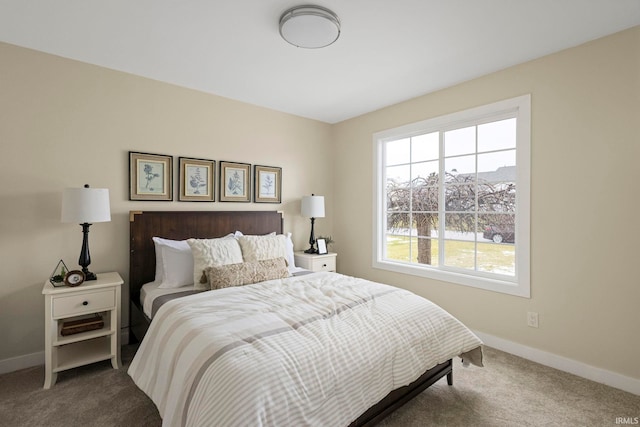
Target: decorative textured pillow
[212, 253]
[258, 248]
[288, 247]
[174, 263]
[246, 273]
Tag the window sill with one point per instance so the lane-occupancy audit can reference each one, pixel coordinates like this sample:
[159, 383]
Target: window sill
[520, 289]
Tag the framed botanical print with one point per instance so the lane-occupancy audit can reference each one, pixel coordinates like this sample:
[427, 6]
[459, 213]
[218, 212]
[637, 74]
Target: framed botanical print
[150, 176]
[235, 182]
[268, 184]
[196, 180]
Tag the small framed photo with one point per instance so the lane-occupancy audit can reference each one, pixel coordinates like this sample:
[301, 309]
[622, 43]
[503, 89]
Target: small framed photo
[322, 246]
[235, 182]
[150, 176]
[196, 180]
[268, 184]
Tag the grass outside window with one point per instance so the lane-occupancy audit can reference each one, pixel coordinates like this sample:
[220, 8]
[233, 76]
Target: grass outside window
[492, 257]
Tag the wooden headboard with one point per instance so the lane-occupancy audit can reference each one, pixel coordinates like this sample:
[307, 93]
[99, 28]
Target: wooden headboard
[180, 225]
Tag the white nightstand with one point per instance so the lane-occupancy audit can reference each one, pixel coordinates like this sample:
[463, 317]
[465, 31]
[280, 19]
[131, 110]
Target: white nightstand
[65, 303]
[315, 262]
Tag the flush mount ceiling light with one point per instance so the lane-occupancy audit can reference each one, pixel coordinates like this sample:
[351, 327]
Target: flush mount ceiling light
[310, 27]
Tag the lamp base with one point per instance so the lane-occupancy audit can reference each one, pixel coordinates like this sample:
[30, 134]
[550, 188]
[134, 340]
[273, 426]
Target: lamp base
[312, 240]
[85, 257]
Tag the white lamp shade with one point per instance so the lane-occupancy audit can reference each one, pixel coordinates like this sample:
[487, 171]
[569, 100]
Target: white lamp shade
[313, 206]
[80, 205]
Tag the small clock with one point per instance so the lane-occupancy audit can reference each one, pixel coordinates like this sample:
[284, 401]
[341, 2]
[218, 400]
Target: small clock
[74, 278]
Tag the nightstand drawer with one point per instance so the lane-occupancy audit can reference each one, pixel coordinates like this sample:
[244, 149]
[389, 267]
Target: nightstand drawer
[315, 262]
[323, 264]
[90, 302]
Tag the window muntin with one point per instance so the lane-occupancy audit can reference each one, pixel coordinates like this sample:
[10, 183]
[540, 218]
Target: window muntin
[442, 182]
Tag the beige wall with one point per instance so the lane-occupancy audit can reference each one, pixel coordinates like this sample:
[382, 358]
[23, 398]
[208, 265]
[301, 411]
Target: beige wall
[65, 123]
[585, 202]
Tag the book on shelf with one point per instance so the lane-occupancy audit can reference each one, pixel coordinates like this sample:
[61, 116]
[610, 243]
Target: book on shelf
[84, 324]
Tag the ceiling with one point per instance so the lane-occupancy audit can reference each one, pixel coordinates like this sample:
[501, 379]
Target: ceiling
[388, 51]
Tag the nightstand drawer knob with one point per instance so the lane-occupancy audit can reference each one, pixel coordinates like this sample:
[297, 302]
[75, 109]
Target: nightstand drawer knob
[324, 265]
[85, 302]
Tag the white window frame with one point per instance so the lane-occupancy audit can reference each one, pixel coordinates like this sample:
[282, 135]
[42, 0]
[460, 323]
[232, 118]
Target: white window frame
[519, 107]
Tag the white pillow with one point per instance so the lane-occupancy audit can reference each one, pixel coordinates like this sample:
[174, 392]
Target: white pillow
[288, 247]
[259, 248]
[212, 253]
[289, 250]
[178, 245]
[177, 266]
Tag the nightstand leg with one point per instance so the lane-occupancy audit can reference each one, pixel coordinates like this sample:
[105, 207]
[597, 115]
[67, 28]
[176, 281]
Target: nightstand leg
[115, 338]
[49, 379]
[115, 362]
[50, 353]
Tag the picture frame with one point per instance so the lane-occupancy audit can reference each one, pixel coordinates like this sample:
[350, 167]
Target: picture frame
[74, 278]
[150, 176]
[322, 246]
[235, 182]
[196, 180]
[267, 186]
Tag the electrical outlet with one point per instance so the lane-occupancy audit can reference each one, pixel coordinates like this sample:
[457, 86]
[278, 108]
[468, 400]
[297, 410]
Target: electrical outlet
[532, 319]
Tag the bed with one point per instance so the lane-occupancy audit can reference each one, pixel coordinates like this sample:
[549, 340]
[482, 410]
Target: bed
[183, 379]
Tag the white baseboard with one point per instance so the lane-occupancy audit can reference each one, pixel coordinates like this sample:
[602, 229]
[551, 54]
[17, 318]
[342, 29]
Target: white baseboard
[632, 385]
[35, 359]
[21, 362]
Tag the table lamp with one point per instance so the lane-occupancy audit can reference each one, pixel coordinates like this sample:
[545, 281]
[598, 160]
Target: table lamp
[85, 206]
[312, 207]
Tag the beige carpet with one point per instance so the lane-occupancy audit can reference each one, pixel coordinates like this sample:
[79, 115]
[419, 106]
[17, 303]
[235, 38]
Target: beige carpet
[509, 391]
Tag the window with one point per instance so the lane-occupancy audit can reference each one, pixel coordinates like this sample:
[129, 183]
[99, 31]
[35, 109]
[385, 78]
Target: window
[452, 197]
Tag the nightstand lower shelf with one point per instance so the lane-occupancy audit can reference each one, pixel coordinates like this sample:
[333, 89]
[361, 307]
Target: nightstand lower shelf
[83, 352]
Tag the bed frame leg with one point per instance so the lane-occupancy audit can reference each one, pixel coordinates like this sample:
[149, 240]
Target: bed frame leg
[450, 378]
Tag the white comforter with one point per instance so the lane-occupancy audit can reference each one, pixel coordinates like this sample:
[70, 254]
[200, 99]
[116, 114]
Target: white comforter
[313, 350]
